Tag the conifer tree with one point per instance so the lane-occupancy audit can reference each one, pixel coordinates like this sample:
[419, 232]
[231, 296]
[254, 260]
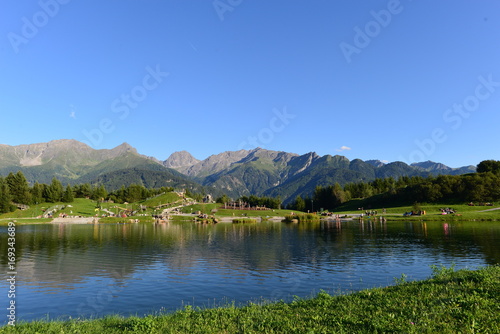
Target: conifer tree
[489, 166]
[299, 204]
[99, 193]
[5, 198]
[68, 196]
[19, 188]
[54, 192]
[37, 193]
[84, 191]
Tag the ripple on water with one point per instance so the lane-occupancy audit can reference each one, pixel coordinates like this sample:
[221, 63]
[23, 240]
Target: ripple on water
[97, 270]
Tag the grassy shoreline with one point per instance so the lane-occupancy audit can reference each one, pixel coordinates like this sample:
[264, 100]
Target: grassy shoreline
[448, 302]
[463, 213]
[86, 208]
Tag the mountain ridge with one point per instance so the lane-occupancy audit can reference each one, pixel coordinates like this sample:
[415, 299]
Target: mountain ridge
[74, 162]
[277, 173]
[236, 173]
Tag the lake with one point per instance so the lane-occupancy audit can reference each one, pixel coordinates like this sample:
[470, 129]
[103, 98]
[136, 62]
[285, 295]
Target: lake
[135, 269]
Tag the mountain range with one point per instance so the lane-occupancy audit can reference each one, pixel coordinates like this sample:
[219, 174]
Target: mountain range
[235, 173]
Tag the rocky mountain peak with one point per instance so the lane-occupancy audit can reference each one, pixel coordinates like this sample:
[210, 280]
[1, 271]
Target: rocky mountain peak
[124, 148]
[430, 165]
[260, 153]
[375, 163]
[180, 159]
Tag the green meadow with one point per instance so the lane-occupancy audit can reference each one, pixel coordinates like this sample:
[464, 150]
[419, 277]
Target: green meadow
[87, 208]
[463, 212]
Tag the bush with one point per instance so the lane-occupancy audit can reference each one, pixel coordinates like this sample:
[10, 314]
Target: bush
[302, 217]
[244, 220]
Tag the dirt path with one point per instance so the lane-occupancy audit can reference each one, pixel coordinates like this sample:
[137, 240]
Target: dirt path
[489, 210]
[167, 211]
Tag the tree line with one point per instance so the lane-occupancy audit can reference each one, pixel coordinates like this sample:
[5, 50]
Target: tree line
[253, 201]
[268, 202]
[482, 186]
[15, 190]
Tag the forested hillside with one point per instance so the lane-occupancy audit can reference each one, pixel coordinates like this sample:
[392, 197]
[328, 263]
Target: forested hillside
[480, 187]
[240, 173]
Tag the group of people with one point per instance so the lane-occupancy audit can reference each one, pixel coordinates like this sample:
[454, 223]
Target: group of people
[414, 213]
[371, 213]
[480, 204]
[447, 211]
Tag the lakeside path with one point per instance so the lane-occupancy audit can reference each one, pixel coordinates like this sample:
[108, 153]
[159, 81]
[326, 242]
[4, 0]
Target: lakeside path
[84, 220]
[489, 210]
[168, 211]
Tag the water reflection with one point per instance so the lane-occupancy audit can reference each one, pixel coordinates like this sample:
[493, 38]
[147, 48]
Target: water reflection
[129, 268]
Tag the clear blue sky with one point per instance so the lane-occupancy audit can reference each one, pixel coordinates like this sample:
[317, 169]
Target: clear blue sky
[390, 80]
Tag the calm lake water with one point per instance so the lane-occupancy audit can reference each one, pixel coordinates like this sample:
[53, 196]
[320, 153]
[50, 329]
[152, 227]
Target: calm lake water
[94, 270]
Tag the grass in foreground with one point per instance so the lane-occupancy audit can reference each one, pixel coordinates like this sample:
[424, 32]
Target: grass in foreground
[450, 302]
